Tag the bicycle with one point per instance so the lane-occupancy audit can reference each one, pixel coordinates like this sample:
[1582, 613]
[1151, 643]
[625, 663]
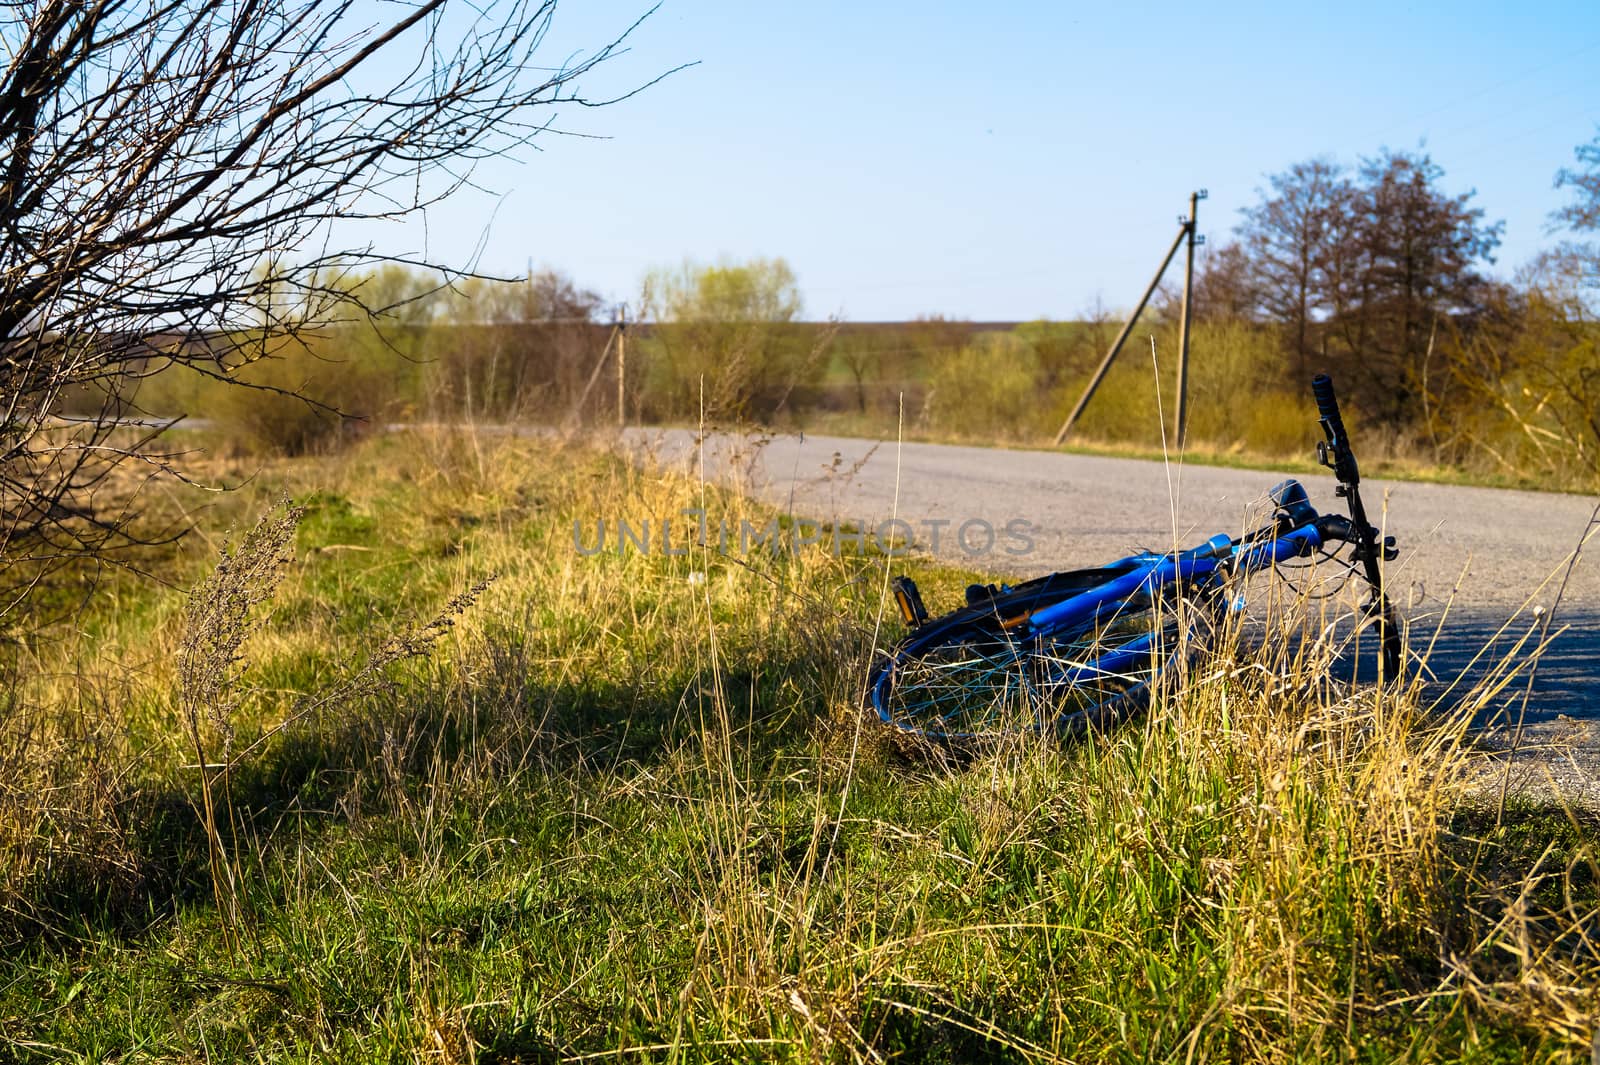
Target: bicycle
[1082, 649]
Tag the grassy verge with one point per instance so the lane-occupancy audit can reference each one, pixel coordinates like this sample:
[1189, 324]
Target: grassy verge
[622, 805]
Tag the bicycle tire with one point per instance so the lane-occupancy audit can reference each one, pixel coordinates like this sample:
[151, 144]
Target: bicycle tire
[968, 676]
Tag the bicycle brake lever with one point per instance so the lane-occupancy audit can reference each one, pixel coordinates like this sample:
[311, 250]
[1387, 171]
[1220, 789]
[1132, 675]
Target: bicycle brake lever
[1387, 546]
[1336, 527]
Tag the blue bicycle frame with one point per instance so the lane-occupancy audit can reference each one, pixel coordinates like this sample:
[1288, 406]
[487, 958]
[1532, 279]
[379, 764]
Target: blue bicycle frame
[1203, 567]
[1090, 639]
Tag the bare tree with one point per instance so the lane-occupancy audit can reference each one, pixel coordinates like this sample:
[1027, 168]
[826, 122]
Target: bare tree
[1288, 236]
[170, 182]
[511, 348]
[1408, 259]
[1360, 273]
[1227, 289]
[1582, 215]
[861, 356]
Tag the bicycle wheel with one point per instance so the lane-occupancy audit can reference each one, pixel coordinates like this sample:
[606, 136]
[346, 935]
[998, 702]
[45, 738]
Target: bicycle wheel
[972, 677]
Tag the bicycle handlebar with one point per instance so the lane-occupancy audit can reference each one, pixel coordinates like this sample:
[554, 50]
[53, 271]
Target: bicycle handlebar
[1336, 451]
[1327, 402]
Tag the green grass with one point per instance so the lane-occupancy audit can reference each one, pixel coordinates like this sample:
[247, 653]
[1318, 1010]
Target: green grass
[628, 808]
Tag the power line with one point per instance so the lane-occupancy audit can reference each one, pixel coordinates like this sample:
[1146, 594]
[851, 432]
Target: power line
[1522, 75]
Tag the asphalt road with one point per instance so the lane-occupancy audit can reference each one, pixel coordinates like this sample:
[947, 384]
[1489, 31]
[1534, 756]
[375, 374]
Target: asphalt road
[1477, 569]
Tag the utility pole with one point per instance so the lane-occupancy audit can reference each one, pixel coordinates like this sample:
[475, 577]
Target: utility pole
[1116, 345]
[1185, 232]
[622, 365]
[576, 413]
[1188, 314]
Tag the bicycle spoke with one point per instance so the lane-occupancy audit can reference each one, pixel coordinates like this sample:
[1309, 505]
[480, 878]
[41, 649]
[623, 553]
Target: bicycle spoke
[982, 682]
[966, 687]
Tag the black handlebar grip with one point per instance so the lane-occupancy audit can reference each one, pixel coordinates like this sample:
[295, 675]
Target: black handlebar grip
[1328, 404]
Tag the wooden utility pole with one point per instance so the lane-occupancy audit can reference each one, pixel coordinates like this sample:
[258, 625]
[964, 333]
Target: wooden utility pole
[576, 413]
[1188, 313]
[1116, 345]
[1185, 231]
[622, 365]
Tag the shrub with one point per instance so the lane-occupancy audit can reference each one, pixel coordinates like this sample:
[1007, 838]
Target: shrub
[988, 388]
[727, 340]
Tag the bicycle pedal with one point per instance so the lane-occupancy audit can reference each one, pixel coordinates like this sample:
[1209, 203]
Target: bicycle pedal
[906, 596]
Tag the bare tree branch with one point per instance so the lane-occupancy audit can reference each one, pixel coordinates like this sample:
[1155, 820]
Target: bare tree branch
[171, 179]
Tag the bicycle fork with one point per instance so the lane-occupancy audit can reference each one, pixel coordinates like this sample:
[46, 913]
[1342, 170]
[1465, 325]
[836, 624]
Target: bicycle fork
[1335, 453]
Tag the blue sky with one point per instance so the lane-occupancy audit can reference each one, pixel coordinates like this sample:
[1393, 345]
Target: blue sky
[1010, 161]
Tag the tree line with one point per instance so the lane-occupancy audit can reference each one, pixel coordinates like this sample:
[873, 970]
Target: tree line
[1379, 275]
[1375, 272]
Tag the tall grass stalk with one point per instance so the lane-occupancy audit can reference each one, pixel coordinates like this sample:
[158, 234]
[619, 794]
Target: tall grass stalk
[220, 616]
[1589, 528]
